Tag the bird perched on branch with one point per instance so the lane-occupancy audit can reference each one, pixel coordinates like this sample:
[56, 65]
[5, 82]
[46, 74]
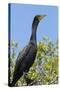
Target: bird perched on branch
[27, 56]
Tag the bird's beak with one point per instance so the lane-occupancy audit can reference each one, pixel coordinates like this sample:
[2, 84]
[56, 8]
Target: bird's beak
[41, 17]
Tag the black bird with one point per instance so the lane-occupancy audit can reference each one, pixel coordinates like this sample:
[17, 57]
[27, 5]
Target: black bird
[27, 56]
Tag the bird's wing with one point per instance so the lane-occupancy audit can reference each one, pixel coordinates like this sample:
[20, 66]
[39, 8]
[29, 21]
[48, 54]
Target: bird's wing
[21, 57]
[23, 53]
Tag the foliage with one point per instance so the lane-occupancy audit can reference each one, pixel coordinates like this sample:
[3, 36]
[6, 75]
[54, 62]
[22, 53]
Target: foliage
[45, 67]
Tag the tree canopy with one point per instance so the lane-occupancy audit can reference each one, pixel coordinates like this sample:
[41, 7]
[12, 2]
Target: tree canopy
[45, 68]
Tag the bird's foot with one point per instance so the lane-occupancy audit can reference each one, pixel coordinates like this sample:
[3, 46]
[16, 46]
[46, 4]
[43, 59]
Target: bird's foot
[28, 80]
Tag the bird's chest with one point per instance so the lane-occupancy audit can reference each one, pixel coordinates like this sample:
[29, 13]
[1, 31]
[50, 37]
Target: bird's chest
[31, 56]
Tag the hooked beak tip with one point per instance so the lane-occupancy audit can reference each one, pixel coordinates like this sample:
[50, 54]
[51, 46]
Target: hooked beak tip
[44, 15]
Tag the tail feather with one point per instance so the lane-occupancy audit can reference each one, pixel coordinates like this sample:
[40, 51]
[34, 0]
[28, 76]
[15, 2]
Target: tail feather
[15, 79]
[12, 84]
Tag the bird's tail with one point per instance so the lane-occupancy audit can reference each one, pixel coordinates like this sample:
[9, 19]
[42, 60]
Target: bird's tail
[14, 81]
[12, 84]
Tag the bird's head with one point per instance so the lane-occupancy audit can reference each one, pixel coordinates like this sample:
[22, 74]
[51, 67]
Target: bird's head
[38, 18]
[36, 21]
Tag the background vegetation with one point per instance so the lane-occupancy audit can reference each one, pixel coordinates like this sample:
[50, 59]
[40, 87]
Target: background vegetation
[45, 67]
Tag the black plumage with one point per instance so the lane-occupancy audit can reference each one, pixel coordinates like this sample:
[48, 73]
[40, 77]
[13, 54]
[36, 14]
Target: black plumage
[27, 56]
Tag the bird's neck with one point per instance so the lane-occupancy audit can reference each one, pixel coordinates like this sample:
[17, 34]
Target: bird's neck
[34, 29]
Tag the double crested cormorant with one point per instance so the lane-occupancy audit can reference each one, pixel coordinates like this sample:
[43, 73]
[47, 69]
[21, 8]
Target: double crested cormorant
[27, 56]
